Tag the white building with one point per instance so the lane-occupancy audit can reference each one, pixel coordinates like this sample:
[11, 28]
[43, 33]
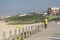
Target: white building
[22, 15]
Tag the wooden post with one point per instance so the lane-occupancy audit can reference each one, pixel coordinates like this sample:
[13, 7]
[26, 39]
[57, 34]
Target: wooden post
[29, 31]
[19, 34]
[42, 27]
[4, 35]
[26, 32]
[15, 34]
[10, 35]
[38, 28]
[23, 33]
[34, 29]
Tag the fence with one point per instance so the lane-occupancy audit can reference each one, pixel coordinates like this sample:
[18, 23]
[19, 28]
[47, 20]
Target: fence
[22, 33]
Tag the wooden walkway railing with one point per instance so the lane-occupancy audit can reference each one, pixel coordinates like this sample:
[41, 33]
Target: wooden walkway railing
[22, 33]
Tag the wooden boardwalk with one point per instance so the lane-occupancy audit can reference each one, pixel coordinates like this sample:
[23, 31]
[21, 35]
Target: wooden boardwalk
[51, 33]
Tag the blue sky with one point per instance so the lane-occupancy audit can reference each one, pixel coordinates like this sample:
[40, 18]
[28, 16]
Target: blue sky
[13, 7]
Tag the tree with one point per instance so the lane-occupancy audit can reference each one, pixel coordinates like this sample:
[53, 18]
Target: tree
[49, 10]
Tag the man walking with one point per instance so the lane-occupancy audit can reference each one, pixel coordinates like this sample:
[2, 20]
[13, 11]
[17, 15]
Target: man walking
[46, 22]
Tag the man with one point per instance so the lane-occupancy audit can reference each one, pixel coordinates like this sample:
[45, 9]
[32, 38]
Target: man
[46, 22]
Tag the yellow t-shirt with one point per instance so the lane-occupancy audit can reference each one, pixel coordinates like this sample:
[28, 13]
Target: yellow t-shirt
[46, 21]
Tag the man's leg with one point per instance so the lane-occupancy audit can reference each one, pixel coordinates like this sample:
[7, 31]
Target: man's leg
[45, 26]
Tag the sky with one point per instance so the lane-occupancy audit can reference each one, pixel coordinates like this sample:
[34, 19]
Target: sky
[13, 7]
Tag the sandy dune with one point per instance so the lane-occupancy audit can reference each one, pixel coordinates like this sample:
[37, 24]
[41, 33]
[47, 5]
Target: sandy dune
[5, 28]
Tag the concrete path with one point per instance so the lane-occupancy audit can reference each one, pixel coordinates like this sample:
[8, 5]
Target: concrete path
[51, 33]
